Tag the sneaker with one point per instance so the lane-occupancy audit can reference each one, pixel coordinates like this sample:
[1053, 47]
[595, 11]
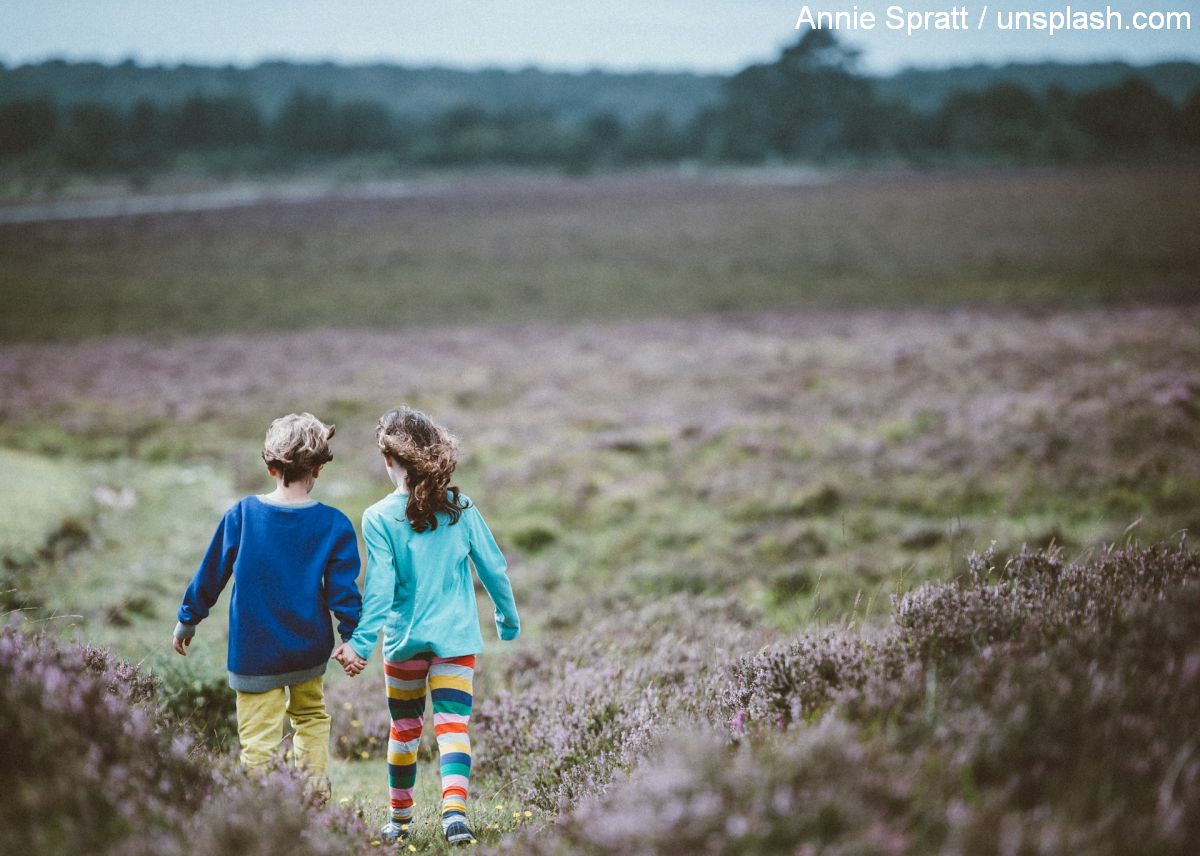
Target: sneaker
[320, 789]
[457, 832]
[393, 832]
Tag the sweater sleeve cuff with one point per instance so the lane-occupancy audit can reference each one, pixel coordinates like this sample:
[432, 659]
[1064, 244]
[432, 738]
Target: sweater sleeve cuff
[184, 631]
[507, 631]
[358, 649]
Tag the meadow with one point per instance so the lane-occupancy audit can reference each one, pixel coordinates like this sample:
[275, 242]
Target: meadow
[657, 244]
[739, 441]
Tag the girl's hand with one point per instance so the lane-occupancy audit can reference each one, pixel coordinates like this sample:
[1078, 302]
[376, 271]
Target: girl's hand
[352, 664]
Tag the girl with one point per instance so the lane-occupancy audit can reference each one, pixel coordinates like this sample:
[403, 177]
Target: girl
[419, 591]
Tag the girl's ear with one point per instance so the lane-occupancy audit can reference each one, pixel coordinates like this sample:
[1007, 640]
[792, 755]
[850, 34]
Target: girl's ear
[272, 472]
[316, 471]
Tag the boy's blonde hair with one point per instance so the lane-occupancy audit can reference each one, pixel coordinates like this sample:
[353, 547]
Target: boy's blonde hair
[296, 445]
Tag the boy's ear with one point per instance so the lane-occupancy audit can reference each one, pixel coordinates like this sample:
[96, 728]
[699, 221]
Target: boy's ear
[272, 472]
[316, 471]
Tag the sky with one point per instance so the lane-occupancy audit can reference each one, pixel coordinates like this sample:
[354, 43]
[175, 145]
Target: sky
[700, 35]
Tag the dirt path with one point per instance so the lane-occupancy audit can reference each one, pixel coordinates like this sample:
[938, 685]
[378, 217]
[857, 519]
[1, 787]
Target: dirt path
[264, 193]
[228, 197]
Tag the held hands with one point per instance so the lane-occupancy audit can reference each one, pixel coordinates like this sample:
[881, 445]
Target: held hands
[351, 663]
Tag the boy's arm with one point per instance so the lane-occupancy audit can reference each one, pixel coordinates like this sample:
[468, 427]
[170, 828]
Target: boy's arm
[491, 566]
[210, 578]
[378, 588]
[341, 582]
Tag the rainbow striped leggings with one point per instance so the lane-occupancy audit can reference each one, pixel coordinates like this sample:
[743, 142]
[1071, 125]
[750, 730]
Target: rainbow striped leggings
[449, 680]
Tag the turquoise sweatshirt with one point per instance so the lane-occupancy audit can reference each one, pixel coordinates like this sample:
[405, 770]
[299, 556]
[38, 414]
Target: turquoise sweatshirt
[419, 589]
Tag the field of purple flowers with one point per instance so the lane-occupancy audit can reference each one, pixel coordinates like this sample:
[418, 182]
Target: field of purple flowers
[823, 581]
[708, 522]
[93, 764]
[1036, 707]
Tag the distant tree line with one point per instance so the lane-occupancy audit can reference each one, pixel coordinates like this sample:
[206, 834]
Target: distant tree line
[810, 104]
[310, 126]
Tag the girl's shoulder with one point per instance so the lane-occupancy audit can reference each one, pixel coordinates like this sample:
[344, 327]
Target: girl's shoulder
[389, 511]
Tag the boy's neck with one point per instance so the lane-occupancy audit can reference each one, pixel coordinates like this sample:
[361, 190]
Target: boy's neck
[297, 491]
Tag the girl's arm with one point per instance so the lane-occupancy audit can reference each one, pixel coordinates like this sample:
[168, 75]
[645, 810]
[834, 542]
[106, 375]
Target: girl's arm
[210, 578]
[378, 589]
[491, 567]
[341, 581]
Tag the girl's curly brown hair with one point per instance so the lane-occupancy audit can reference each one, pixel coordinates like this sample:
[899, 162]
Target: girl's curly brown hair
[429, 454]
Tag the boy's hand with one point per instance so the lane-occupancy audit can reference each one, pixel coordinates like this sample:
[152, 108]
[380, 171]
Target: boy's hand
[352, 664]
[181, 644]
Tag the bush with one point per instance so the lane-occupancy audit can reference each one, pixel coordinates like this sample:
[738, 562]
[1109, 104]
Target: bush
[817, 791]
[576, 713]
[1044, 707]
[204, 703]
[92, 764]
[83, 751]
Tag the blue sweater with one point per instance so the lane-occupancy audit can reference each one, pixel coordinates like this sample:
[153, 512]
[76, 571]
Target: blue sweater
[291, 565]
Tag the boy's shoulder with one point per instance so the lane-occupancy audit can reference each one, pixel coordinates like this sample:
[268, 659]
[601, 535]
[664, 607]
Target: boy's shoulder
[336, 515]
[237, 508]
[253, 502]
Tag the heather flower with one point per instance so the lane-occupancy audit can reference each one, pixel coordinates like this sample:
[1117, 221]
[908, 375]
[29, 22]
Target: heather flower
[94, 763]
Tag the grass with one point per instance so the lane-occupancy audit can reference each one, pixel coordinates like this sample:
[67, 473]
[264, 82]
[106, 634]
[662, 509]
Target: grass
[657, 245]
[41, 497]
[494, 813]
[770, 471]
[651, 457]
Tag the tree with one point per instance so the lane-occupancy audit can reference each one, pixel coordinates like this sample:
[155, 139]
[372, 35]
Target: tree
[26, 125]
[307, 124]
[808, 103]
[1004, 119]
[92, 137]
[365, 126]
[1187, 123]
[653, 138]
[1130, 117]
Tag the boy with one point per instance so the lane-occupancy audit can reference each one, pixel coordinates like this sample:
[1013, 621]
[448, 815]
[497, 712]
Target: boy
[293, 560]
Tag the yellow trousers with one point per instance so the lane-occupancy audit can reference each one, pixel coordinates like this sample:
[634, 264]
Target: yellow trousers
[260, 727]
